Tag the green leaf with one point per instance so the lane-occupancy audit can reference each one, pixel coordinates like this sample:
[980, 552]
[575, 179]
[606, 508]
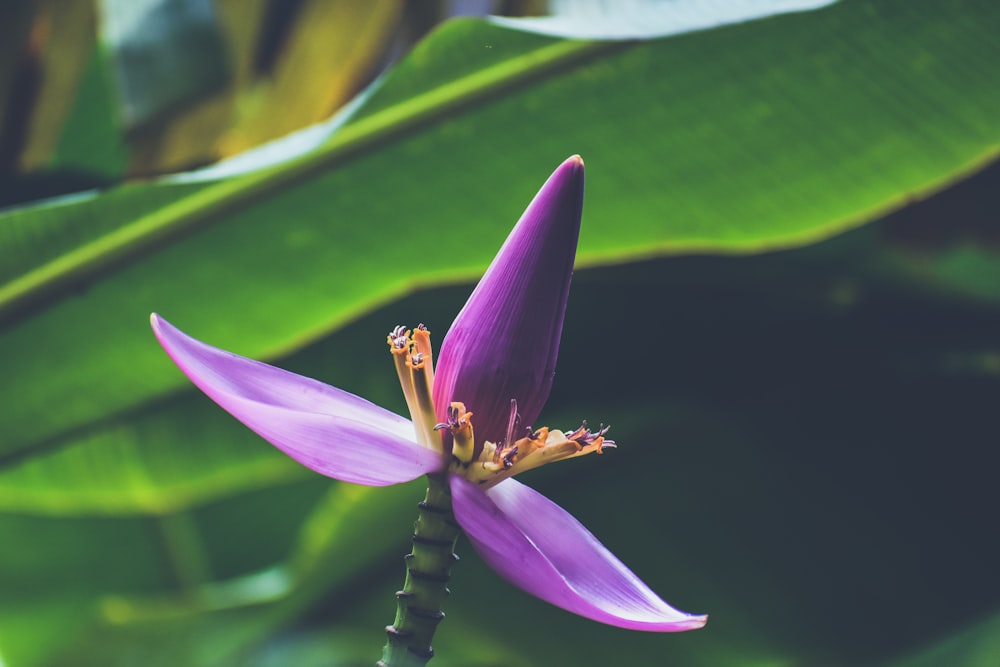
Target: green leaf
[742, 150]
[65, 578]
[801, 443]
[779, 466]
[178, 454]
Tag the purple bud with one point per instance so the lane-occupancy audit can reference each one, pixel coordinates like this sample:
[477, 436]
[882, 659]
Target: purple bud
[504, 343]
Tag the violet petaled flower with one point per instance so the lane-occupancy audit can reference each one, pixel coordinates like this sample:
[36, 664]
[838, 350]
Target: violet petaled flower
[495, 368]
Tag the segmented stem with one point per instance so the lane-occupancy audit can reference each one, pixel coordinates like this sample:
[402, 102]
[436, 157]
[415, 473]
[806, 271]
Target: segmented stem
[428, 568]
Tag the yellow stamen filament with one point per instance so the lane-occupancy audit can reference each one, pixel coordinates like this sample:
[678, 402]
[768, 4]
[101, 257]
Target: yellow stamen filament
[422, 414]
[422, 346]
[399, 346]
[416, 379]
[463, 439]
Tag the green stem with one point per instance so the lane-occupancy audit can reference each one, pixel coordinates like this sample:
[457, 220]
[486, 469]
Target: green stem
[428, 568]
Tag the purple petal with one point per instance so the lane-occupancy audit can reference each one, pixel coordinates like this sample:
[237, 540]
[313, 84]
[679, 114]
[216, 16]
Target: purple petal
[504, 343]
[331, 431]
[536, 545]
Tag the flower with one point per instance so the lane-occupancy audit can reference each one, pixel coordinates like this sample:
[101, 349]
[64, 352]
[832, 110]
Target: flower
[495, 368]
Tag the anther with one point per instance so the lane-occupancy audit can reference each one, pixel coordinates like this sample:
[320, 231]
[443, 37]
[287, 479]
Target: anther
[460, 424]
[584, 436]
[509, 456]
[399, 337]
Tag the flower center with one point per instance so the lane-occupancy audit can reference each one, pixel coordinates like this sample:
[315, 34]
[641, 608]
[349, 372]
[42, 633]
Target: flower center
[496, 462]
[492, 462]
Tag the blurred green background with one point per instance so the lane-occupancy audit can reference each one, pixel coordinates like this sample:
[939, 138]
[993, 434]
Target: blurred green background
[787, 305]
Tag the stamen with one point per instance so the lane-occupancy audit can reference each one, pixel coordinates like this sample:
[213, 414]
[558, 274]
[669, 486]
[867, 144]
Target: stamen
[422, 345]
[451, 416]
[537, 448]
[399, 345]
[583, 436]
[460, 424]
[509, 457]
[423, 411]
[411, 367]
[399, 338]
[578, 433]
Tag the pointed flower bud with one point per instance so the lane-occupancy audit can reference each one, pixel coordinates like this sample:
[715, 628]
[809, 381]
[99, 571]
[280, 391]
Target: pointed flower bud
[503, 344]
